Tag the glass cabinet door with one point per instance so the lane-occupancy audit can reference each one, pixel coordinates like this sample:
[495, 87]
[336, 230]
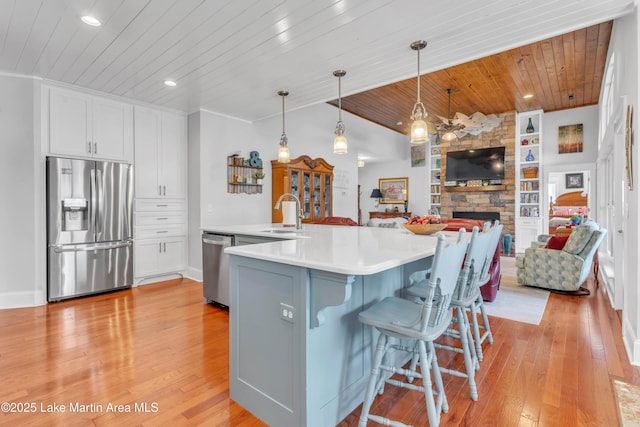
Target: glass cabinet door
[295, 183]
[327, 195]
[306, 195]
[317, 199]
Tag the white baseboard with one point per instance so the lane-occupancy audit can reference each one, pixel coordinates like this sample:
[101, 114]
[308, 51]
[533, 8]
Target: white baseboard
[631, 342]
[22, 299]
[193, 274]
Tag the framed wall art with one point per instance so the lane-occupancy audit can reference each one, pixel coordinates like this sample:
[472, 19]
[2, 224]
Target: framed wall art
[570, 139]
[418, 155]
[574, 180]
[394, 190]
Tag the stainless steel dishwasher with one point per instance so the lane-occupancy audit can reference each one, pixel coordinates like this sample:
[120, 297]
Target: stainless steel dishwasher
[215, 268]
[215, 264]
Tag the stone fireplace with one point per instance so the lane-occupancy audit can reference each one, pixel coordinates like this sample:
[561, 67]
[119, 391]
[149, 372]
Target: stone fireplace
[496, 204]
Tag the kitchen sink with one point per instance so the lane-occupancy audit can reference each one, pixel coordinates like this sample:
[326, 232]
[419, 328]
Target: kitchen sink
[282, 230]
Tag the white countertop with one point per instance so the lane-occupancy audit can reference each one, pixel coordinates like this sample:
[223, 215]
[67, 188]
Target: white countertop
[338, 249]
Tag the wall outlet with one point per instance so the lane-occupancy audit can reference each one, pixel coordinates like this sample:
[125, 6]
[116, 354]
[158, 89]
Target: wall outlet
[210, 208]
[287, 312]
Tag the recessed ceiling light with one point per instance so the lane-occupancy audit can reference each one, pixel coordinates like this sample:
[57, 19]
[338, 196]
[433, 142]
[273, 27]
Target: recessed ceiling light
[528, 96]
[399, 123]
[90, 20]
[169, 83]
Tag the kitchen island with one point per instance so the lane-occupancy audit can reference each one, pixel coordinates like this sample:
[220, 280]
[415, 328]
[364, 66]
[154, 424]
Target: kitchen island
[298, 354]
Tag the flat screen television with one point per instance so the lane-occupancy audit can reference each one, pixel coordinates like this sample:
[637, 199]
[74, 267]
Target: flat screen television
[481, 163]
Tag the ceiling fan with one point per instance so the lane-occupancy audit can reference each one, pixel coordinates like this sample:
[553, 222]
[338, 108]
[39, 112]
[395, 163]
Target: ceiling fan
[453, 128]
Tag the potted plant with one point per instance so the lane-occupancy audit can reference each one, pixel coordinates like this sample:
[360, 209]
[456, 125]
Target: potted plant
[576, 219]
[259, 176]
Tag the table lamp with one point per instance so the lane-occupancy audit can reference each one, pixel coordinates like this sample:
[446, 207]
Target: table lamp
[376, 194]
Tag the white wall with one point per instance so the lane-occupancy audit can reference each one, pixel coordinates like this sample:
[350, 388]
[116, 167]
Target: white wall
[624, 45]
[557, 165]
[22, 214]
[310, 132]
[395, 168]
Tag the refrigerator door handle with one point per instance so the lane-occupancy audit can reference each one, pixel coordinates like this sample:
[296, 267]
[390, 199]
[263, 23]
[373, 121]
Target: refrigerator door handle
[95, 247]
[100, 206]
[94, 206]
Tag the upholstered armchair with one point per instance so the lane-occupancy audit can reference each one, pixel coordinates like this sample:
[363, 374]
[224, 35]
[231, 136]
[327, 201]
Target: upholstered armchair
[563, 269]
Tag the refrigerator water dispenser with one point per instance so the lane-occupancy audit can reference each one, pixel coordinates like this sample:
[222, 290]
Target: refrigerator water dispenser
[75, 214]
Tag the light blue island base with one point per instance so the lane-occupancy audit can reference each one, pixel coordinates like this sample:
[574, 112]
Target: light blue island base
[299, 355]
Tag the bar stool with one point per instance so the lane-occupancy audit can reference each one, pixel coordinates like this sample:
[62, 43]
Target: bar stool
[478, 305]
[464, 295]
[401, 319]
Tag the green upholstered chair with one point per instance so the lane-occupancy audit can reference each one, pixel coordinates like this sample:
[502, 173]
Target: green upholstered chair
[563, 269]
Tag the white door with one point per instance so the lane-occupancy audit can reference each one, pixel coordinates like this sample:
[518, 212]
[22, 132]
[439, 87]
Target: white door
[146, 258]
[173, 256]
[146, 143]
[69, 123]
[173, 156]
[112, 130]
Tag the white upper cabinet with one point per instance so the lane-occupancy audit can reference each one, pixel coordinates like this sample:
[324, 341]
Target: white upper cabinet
[160, 154]
[88, 126]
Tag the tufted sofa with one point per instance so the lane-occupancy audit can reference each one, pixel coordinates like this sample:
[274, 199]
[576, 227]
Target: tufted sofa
[563, 269]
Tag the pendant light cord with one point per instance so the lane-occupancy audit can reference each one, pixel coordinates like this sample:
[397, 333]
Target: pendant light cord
[283, 114]
[418, 100]
[340, 98]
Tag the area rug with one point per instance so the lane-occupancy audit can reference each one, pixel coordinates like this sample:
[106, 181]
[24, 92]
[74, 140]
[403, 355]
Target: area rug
[514, 301]
[628, 400]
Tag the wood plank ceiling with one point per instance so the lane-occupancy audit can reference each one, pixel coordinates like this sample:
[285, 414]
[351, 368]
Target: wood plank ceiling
[560, 72]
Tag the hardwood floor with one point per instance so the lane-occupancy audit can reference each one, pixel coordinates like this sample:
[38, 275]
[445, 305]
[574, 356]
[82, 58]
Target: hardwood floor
[160, 345]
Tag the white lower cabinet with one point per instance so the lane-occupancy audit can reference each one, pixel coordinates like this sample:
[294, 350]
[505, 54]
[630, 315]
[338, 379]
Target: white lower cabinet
[155, 257]
[160, 232]
[527, 231]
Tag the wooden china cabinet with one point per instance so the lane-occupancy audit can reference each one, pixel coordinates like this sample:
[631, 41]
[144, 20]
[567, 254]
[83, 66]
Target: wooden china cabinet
[311, 180]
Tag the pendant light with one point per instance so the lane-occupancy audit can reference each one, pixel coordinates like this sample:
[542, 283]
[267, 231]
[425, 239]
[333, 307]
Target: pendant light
[419, 131]
[283, 152]
[450, 128]
[340, 142]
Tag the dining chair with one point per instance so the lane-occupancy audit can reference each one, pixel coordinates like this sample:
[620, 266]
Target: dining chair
[398, 319]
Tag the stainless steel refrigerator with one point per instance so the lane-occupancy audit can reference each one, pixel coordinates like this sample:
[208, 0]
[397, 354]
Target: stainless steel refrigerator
[89, 229]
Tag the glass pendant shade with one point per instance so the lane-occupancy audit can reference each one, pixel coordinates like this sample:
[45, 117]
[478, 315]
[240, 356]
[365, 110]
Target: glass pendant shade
[449, 136]
[340, 141]
[283, 152]
[419, 130]
[283, 155]
[340, 144]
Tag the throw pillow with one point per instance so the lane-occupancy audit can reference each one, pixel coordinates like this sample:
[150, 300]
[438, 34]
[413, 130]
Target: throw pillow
[556, 242]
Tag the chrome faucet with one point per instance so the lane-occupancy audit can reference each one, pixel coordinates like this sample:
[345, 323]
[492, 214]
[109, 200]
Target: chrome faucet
[298, 208]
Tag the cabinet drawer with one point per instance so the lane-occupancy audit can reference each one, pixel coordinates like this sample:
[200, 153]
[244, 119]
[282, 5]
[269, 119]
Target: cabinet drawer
[159, 205]
[159, 218]
[154, 232]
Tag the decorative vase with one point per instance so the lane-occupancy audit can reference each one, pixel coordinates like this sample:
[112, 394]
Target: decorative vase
[259, 181]
[530, 128]
[530, 157]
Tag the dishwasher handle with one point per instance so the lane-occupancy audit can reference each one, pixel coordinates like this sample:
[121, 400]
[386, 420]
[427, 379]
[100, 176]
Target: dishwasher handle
[218, 240]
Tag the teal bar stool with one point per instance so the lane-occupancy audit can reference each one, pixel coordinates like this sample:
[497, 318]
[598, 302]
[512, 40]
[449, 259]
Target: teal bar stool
[398, 320]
